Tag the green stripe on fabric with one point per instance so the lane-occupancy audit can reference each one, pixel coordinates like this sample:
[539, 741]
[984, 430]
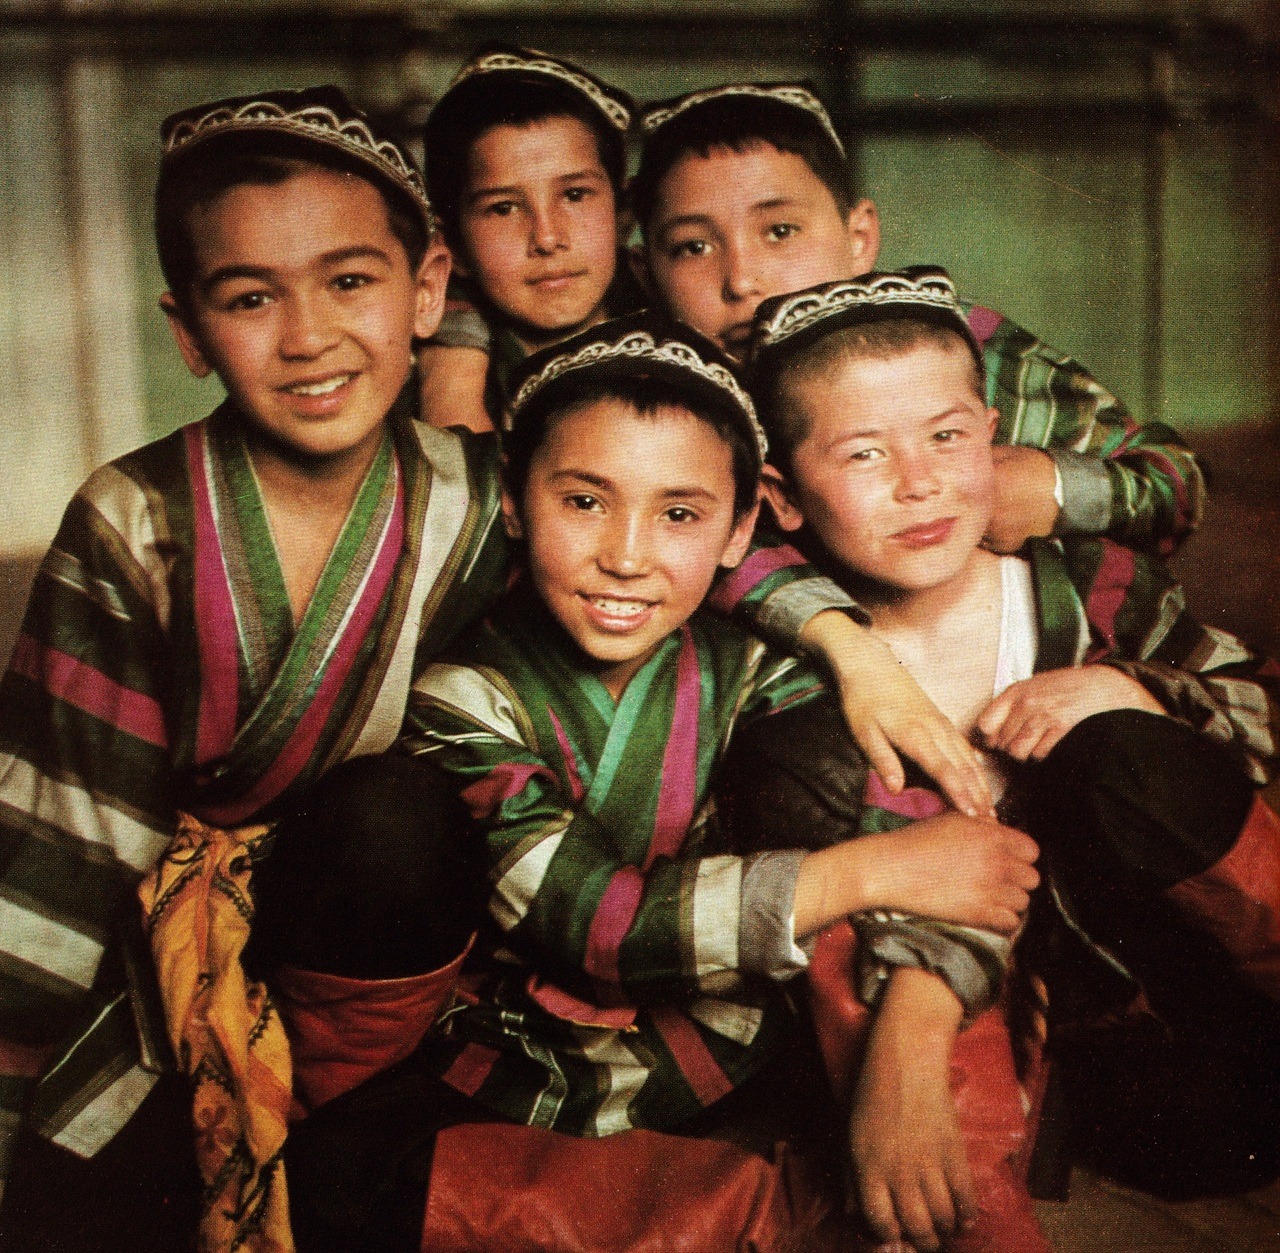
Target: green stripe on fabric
[1061, 612]
[632, 706]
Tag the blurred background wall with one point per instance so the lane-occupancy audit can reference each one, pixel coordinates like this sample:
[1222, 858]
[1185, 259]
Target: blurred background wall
[1106, 172]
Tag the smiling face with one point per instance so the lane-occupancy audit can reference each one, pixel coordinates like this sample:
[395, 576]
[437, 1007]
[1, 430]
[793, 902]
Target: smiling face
[304, 304]
[731, 228]
[895, 473]
[538, 225]
[627, 517]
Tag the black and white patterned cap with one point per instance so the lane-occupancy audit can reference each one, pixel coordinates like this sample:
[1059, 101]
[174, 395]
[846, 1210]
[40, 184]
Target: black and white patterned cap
[319, 115]
[794, 95]
[642, 345]
[506, 59]
[785, 323]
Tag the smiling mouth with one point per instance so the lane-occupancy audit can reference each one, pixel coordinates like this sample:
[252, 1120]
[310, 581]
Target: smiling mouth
[321, 387]
[615, 607]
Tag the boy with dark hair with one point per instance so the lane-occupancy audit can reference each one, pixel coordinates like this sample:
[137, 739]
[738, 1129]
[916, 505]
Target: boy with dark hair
[526, 165]
[1129, 740]
[744, 192]
[221, 641]
[626, 981]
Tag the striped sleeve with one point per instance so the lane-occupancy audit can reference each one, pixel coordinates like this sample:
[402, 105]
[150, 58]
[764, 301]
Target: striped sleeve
[85, 777]
[1138, 621]
[1138, 484]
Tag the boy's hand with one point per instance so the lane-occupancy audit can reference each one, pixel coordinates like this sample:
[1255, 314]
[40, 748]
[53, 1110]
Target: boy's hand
[1028, 718]
[972, 871]
[1024, 505]
[453, 382]
[912, 1175]
[887, 709]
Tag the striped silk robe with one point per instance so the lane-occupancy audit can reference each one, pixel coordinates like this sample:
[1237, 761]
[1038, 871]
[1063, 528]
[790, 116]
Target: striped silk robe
[628, 976]
[159, 670]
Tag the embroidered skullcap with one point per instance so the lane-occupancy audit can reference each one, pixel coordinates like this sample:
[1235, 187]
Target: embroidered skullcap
[784, 324]
[643, 345]
[314, 115]
[797, 95]
[531, 65]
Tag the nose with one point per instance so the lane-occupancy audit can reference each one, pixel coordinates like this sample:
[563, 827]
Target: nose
[307, 327]
[917, 477]
[546, 231]
[741, 277]
[624, 547]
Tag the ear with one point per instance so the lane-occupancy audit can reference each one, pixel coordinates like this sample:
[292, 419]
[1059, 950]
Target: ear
[863, 228]
[993, 420]
[638, 260]
[740, 537]
[777, 491]
[511, 515]
[184, 335]
[432, 280]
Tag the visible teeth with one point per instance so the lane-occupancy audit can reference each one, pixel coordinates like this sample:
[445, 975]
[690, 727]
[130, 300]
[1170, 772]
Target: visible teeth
[320, 389]
[622, 608]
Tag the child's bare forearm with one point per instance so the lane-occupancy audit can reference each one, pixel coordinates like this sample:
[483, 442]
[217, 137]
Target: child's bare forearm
[972, 871]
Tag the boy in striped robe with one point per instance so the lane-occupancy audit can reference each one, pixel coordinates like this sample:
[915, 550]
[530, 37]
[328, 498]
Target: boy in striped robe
[623, 1017]
[1128, 739]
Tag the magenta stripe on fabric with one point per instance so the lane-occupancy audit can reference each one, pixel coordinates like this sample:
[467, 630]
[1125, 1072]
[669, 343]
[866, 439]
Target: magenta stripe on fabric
[505, 780]
[296, 753]
[983, 322]
[570, 761]
[730, 589]
[678, 793]
[1110, 586]
[470, 1069]
[613, 918]
[701, 1071]
[215, 616]
[87, 688]
[915, 803]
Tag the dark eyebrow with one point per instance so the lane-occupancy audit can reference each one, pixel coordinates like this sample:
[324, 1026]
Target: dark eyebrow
[595, 480]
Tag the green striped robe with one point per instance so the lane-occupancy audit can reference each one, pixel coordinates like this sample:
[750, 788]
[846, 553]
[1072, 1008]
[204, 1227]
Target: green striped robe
[158, 669]
[629, 974]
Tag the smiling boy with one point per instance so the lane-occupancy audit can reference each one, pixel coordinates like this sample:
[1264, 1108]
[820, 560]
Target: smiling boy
[227, 615]
[1129, 739]
[626, 978]
[744, 192]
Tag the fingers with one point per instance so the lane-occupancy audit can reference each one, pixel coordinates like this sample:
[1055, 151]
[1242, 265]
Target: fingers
[965, 786]
[883, 760]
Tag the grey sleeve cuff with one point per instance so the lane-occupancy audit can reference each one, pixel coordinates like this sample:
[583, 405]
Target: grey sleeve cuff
[1086, 492]
[766, 923]
[784, 615]
[972, 963]
[463, 327]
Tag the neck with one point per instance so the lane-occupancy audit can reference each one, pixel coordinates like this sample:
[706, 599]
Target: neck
[328, 483]
[894, 608]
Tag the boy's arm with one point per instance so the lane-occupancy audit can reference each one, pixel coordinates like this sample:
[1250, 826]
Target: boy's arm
[1137, 484]
[910, 1165]
[453, 365]
[1138, 625]
[86, 800]
[776, 593]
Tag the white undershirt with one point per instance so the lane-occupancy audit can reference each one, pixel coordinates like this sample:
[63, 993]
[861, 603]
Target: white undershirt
[1019, 639]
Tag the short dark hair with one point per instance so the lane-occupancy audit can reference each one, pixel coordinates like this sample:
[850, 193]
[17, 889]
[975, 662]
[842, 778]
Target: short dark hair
[474, 107]
[646, 395]
[783, 421]
[740, 123]
[197, 176]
